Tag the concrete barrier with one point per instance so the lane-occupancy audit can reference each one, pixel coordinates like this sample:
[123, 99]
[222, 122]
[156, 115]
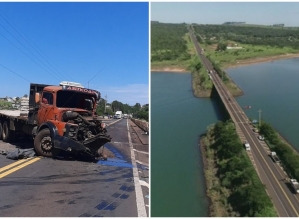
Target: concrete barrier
[141, 124]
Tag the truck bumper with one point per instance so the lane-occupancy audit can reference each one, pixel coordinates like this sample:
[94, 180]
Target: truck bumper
[90, 146]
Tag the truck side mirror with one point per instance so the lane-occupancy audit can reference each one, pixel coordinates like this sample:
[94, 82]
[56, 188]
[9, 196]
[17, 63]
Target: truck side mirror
[37, 98]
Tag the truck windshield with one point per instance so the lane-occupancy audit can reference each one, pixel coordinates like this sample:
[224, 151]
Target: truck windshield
[72, 99]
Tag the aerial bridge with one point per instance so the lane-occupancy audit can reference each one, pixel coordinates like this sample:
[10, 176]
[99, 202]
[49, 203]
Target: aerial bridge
[272, 175]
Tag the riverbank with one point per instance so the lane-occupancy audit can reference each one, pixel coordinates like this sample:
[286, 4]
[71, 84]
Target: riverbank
[168, 69]
[240, 63]
[258, 60]
[228, 171]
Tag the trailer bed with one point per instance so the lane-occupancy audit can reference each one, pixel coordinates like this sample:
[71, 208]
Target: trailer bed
[13, 114]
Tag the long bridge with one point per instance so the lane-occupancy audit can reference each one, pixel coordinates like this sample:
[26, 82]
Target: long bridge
[271, 174]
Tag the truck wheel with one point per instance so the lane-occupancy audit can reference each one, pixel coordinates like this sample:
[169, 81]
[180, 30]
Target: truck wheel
[7, 134]
[0, 131]
[43, 143]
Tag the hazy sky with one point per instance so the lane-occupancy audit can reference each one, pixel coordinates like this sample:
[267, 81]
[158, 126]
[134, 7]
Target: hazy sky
[267, 13]
[51, 42]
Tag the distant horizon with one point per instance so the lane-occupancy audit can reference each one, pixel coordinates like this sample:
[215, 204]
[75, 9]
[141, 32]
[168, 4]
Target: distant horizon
[268, 13]
[223, 23]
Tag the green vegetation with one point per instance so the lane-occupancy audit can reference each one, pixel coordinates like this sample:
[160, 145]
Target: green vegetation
[288, 156]
[169, 45]
[138, 111]
[253, 42]
[254, 35]
[5, 105]
[235, 188]
[201, 82]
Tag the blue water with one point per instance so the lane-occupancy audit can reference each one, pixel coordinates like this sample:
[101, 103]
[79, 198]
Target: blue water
[273, 89]
[177, 120]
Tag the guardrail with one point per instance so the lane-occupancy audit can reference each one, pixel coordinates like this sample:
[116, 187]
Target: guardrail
[141, 124]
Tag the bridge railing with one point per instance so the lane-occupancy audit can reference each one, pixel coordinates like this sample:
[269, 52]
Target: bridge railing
[144, 125]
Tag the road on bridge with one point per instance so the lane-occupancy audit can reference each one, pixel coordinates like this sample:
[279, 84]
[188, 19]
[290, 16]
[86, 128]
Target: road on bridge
[65, 187]
[270, 173]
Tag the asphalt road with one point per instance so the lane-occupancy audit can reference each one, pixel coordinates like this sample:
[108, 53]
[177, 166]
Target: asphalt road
[46, 187]
[271, 174]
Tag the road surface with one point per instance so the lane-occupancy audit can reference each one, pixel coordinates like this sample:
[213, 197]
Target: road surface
[65, 187]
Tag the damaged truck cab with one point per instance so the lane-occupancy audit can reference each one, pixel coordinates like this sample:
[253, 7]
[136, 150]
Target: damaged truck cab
[64, 118]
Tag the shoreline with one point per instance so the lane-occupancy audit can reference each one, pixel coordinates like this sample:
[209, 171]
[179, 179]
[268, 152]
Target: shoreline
[167, 69]
[260, 60]
[241, 63]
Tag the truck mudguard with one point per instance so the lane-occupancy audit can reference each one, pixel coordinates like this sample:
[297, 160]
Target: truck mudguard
[61, 142]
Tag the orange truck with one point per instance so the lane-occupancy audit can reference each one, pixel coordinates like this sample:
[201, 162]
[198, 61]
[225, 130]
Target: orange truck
[59, 118]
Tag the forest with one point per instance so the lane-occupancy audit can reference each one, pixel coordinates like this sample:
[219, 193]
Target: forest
[167, 42]
[254, 35]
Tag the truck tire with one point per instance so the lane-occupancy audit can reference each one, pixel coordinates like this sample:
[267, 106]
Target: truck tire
[7, 134]
[1, 128]
[43, 143]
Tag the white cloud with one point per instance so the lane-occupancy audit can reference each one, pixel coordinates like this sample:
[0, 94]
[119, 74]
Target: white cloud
[127, 94]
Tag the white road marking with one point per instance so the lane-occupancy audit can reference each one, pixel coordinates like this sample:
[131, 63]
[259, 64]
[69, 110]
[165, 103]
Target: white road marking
[143, 183]
[144, 164]
[141, 152]
[139, 196]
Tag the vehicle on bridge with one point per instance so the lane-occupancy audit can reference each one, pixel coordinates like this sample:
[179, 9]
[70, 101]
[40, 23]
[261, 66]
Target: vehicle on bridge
[261, 138]
[247, 146]
[59, 118]
[118, 114]
[274, 157]
[295, 185]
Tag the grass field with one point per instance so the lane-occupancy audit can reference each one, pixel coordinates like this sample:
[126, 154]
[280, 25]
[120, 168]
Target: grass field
[233, 56]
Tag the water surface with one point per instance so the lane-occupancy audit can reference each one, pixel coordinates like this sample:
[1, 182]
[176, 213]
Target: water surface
[272, 88]
[177, 120]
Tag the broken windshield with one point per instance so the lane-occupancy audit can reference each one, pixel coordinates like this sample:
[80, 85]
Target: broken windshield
[72, 99]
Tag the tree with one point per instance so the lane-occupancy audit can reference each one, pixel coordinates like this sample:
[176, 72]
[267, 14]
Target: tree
[221, 47]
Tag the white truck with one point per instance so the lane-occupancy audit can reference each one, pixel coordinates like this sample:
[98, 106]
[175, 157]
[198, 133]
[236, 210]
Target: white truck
[295, 185]
[274, 157]
[118, 114]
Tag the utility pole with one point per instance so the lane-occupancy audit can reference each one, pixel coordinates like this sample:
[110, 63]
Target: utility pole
[260, 118]
[105, 103]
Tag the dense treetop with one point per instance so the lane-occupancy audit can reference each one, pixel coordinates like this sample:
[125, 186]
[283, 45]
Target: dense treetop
[256, 35]
[167, 42]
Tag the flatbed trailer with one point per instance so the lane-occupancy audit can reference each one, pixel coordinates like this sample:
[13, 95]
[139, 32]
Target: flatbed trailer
[12, 125]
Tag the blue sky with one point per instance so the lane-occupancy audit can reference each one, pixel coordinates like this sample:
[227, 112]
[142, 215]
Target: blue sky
[267, 13]
[51, 42]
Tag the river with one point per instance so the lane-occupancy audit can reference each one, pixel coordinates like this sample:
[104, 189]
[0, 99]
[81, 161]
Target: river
[272, 88]
[178, 118]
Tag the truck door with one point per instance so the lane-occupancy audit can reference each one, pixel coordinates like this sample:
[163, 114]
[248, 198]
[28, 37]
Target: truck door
[46, 107]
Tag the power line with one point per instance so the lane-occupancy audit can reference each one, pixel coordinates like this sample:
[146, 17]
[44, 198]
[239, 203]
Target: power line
[27, 49]
[94, 76]
[27, 55]
[15, 73]
[33, 44]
